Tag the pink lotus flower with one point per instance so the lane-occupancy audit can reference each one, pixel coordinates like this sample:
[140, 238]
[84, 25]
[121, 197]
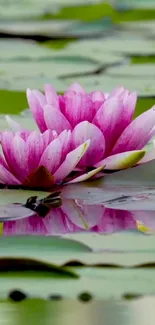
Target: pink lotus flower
[38, 160]
[116, 140]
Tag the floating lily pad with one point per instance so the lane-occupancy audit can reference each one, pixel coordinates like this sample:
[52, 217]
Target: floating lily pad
[147, 28]
[104, 284]
[21, 50]
[125, 46]
[33, 8]
[56, 28]
[22, 75]
[144, 86]
[133, 71]
[142, 4]
[60, 9]
[40, 27]
[90, 52]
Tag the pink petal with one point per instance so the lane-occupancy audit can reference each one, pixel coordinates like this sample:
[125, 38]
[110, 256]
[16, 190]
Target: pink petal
[40, 97]
[77, 88]
[15, 127]
[30, 226]
[48, 136]
[78, 107]
[149, 155]
[55, 120]
[55, 222]
[112, 119]
[6, 141]
[83, 216]
[7, 178]
[81, 133]
[97, 98]
[51, 96]
[72, 159]
[137, 133]
[19, 158]
[24, 134]
[35, 149]
[3, 162]
[65, 140]
[146, 218]
[116, 92]
[116, 220]
[86, 176]
[36, 106]
[122, 160]
[130, 102]
[51, 157]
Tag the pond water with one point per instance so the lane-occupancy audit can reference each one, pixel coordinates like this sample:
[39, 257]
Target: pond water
[91, 245]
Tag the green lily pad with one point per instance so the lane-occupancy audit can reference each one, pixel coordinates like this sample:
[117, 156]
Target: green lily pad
[31, 8]
[40, 27]
[22, 75]
[22, 50]
[143, 86]
[96, 54]
[142, 4]
[57, 28]
[127, 46]
[146, 27]
[99, 283]
[133, 71]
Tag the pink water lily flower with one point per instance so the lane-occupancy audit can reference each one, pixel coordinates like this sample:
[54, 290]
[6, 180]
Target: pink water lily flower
[116, 140]
[38, 160]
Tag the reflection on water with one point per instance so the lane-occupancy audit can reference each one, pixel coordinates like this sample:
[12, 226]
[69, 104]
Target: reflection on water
[92, 208]
[73, 218]
[138, 312]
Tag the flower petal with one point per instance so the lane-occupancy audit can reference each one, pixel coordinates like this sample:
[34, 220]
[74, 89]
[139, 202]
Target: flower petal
[137, 133]
[35, 104]
[55, 222]
[55, 120]
[51, 157]
[7, 177]
[30, 226]
[15, 127]
[114, 221]
[112, 120]
[51, 96]
[116, 91]
[77, 88]
[18, 161]
[97, 98]
[65, 140]
[72, 159]
[6, 141]
[88, 175]
[83, 215]
[84, 131]
[48, 136]
[145, 219]
[122, 160]
[3, 162]
[77, 107]
[35, 149]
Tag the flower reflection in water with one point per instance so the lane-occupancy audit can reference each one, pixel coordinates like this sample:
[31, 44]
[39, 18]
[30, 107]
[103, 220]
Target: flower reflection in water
[73, 216]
